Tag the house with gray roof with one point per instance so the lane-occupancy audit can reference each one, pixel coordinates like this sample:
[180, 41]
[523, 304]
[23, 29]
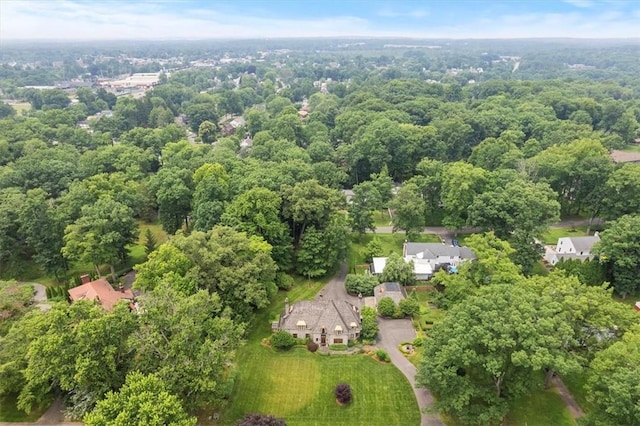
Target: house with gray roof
[430, 257]
[578, 248]
[326, 322]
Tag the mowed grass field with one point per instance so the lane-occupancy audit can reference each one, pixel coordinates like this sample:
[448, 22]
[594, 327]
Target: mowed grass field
[298, 385]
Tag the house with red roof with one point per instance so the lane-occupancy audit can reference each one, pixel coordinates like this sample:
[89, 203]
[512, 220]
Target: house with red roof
[101, 291]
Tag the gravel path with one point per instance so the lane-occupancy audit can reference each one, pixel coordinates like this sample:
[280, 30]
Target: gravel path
[40, 296]
[566, 396]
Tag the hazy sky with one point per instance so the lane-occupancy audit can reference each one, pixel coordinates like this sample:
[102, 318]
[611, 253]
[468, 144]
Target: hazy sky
[165, 20]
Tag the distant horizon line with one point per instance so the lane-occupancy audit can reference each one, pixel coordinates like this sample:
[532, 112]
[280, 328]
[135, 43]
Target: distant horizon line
[352, 37]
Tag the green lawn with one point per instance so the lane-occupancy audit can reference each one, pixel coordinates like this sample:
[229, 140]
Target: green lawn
[575, 383]
[539, 408]
[21, 107]
[298, 385]
[10, 413]
[391, 243]
[552, 235]
[382, 218]
[632, 148]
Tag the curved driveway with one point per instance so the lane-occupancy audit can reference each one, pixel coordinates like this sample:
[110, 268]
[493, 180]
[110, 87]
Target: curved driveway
[392, 333]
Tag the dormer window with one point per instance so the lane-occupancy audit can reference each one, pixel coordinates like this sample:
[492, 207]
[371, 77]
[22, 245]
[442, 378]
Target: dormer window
[301, 325]
[338, 329]
[353, 325]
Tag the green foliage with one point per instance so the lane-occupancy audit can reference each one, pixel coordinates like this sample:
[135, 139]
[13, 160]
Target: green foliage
[321, 251]
[284, 281]
[282, 340]
[88, 359]
[386, 307]
[142, 400]
[383, 356]
[210, 195]
[485, 349]
[101, 234]
[409, 207]
[619, 248]
[167, 265]
[192, 332]
[13, 299]
[409, 306]
[361, 284]
[150, 242]
[173, 192]
[369, 324]
[338, 347]
[373, 249]
[613, 386]
[224, 261]
[397, 270]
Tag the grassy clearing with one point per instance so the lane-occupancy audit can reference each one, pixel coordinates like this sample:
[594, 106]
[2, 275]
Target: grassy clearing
[632, 148]
[10, 413]
[551, 236]
[21, 107]
[298, 385]
[382, 218]
[391, 243]
[539, 408]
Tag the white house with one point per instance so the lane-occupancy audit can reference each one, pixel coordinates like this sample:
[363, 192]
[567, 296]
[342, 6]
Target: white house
[572, 248]
[427, 258]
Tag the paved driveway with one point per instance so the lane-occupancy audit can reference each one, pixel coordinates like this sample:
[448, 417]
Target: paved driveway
[392, 333]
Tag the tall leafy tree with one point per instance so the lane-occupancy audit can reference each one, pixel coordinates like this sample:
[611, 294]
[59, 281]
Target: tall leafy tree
[518, 206]
[622, 192]
[619, 248]
[365, 201]
[613, 383]
[397, 270]
[142, 400]
[309, 203]
[43, 232]
[237, 267]
[193, 333]
[460, 185]
[256, 212]
[487, 351]
[101, 234]
[210, 195]
[408, 210]
[172, 188]
[82, 351]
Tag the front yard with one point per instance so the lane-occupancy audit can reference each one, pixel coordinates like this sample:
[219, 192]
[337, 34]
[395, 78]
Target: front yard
[298, 385]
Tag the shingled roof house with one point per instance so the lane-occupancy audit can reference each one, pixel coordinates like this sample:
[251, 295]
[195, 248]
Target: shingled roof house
[101, 291]
[427, 258]
[578, 248]
[329, 322]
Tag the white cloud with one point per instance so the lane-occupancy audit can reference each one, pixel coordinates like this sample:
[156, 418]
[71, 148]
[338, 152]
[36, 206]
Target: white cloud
[580, 3]
[416, 13]
[92, 21]
[68, 20]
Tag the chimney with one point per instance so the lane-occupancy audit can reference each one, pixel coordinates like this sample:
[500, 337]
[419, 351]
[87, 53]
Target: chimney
[85, 278]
